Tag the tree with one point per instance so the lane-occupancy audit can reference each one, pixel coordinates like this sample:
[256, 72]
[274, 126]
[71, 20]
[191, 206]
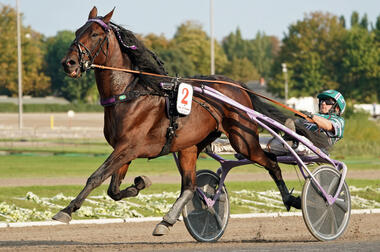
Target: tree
[342, 21]
[155, 43]
[312, 52]
[34, 81]
[364, 22]
[261, 53]
[235, 46]
[376, 34]
[354, 18]
[360, 68]
[376, 30]
[177, 63]
[241, 70]
[193, 42]
[62, 85]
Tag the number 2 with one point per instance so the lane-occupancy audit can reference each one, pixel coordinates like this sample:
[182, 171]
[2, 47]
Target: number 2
[183, 101]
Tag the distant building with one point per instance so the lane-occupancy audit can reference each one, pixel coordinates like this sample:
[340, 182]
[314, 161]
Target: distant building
[302, 103]
[372, 109]
[309, 104]
[34, 100]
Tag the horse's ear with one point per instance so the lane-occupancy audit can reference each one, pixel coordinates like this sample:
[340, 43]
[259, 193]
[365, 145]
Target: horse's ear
[93, 13]
[107, 18]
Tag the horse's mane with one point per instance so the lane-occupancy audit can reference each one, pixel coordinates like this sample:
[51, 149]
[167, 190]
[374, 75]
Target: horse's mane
[142, 58]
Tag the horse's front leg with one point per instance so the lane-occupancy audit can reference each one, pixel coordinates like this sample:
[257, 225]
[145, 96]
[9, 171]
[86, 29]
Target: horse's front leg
[187, 159]
[140, 183]
[117, 158]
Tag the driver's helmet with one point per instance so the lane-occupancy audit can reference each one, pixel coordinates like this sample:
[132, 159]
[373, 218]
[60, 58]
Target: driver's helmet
[338, 97]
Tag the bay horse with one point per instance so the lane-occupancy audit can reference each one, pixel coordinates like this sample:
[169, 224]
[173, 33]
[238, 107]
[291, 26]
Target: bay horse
[137, 125]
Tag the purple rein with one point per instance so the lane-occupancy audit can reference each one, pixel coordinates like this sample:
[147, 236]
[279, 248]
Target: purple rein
[107, 28]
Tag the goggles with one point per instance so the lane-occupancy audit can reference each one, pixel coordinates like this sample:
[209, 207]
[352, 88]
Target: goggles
[327, 101]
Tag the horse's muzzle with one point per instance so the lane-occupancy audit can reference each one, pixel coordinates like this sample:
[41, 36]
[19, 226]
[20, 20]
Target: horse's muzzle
[71, 66]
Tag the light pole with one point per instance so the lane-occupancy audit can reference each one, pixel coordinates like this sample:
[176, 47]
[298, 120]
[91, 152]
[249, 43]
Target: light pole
[19, 66]
[285, 72]
[212, 37]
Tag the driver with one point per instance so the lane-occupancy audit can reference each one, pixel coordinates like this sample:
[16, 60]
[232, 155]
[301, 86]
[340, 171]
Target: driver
[328, 121]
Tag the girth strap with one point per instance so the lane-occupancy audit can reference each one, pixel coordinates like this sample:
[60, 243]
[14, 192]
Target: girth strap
[173, 125]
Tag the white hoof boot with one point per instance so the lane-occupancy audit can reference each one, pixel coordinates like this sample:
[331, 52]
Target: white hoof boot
[161, 229]
[62, 217]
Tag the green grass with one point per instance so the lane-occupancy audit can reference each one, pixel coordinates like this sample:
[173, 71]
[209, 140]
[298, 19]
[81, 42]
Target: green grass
[361, 138]
[74, 165]
[56, 146]
[44, 108]
[22, 166]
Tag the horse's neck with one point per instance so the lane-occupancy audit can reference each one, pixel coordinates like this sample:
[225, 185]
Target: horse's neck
[112, 82]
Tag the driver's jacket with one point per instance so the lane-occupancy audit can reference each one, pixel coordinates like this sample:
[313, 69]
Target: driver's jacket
[337, 122]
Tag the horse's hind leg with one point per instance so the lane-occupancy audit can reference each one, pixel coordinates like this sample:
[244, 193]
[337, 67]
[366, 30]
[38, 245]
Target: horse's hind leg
[249, 146]
[275, 172]
[187, 159]
[140, 183]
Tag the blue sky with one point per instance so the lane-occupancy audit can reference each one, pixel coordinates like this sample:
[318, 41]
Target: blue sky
[164, 16]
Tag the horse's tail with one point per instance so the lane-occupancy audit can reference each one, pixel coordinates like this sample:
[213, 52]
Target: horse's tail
[318, 139]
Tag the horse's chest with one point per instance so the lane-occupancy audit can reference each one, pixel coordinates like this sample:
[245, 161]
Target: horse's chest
[111, 130]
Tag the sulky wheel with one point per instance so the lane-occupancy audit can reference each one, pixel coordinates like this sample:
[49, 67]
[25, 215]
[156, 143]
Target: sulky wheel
[203, 223]
[326, 222]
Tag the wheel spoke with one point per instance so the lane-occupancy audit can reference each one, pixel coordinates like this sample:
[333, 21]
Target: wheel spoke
[319, 223]
[197, 212]
[334, 224]
[207, 220]
[332, 185]
[222, 197]
[342, 204]
[218, 220]
[314, 204]
[318, 177]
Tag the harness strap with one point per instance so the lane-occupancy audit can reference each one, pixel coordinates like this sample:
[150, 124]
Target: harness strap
[173, 125]
[207, 108]
[125, 97]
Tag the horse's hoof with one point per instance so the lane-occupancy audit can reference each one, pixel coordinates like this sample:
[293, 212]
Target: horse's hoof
[142, 182]
[297, 203]
[293, 202]
[161, 229]
[62, 217]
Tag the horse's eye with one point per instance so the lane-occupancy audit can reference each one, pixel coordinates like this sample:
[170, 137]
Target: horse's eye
[94, 35]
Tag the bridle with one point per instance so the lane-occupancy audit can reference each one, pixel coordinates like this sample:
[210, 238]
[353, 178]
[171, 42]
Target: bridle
[86, 56]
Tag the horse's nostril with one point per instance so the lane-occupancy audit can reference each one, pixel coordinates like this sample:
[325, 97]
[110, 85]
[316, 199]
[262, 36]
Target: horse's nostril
[70, 62]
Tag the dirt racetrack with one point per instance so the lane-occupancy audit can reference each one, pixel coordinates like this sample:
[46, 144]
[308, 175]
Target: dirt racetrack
[259, 234]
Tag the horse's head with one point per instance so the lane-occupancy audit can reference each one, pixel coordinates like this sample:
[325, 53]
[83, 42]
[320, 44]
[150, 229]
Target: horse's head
[89, 46]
